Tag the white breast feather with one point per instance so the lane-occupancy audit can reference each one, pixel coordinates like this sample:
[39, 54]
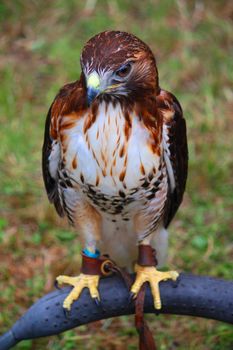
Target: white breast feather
[111, 137]
[54, 159]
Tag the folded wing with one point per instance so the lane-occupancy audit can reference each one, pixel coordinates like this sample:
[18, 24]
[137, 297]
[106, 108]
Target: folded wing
[175, 151]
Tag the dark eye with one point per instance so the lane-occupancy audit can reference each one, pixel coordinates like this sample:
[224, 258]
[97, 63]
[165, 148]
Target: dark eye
[124, 70]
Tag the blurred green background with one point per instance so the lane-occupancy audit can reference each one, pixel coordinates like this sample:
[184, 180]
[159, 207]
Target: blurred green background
[40, 45]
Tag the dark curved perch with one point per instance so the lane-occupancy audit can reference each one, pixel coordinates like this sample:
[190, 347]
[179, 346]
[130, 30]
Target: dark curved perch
[191, 295]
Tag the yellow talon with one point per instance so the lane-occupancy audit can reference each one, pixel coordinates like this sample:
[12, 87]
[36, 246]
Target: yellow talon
[79, 283]
[153, 276]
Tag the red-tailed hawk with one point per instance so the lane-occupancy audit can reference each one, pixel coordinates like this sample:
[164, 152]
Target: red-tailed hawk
[115, 161]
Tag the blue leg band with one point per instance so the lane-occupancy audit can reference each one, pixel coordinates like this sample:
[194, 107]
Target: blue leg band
[90, 254]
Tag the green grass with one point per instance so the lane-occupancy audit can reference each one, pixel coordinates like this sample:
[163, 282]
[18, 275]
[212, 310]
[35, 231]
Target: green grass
[39, 52]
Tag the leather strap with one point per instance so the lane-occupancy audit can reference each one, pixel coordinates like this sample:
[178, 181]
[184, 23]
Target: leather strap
[146, 255]
[103, 266]
[146, 340]
[97, 266]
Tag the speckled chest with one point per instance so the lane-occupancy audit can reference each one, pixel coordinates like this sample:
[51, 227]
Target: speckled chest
[111, 161]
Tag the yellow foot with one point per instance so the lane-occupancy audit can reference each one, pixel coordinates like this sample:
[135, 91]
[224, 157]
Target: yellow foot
[79, 283]
[153, 276]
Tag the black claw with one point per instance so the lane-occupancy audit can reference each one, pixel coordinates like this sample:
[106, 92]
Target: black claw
[97, 302]
[176, 282]
[56, 285]
[67, 313]
[131, 297]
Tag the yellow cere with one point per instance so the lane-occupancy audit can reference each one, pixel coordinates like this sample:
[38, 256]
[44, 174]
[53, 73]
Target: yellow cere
[93, 80]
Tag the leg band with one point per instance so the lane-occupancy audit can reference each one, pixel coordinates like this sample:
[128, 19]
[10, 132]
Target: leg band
[90, 254]
[96, 266]
[146, 255]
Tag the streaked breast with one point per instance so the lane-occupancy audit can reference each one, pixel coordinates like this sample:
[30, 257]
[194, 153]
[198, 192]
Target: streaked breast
[110, 151]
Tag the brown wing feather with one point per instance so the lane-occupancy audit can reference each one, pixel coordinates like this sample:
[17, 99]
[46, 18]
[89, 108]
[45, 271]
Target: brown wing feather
[69, 99]
[51, 183]
[177, 149]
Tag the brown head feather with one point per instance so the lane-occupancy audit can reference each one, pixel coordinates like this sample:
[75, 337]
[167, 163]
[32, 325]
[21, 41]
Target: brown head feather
[109, 50]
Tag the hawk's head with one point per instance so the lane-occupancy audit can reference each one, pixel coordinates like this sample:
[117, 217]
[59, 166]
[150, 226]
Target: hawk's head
[118, 64]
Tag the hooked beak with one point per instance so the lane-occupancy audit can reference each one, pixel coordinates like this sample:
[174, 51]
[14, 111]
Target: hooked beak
[97, 86]
[93, 87]
[91, 95]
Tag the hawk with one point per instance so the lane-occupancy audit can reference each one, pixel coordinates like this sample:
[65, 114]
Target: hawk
[115, 162]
